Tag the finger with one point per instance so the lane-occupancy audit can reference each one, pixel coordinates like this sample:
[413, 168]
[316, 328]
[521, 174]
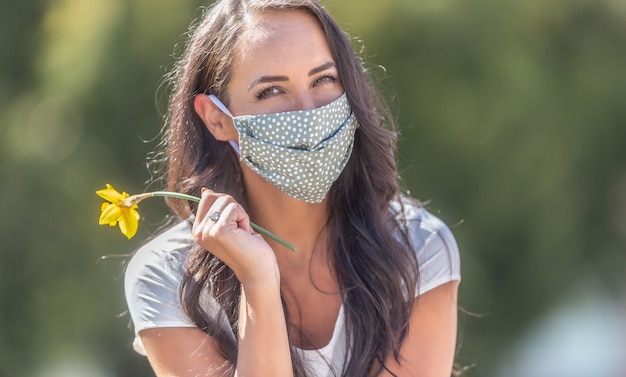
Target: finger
[234, 213]
[216, 212]
[243, 220]
[218, 233]
[214, 219]
[207, 198]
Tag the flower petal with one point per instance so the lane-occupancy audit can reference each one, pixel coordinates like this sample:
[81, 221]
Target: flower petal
[110, 215]
[129, 222]
[134, 212]
[112, 195]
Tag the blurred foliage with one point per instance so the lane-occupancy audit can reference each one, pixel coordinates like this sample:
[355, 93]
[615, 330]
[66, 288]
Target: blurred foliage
[512, 119]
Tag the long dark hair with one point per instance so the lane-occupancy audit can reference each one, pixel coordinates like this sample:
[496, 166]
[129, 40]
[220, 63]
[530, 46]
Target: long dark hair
[372, 260]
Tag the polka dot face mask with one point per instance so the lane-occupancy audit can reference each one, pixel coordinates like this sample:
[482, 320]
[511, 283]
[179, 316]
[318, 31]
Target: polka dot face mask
[300, 152]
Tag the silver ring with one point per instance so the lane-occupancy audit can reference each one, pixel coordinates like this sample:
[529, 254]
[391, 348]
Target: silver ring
[214, 216]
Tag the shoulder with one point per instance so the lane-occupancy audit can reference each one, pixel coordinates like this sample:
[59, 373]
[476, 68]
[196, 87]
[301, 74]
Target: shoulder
[432, 240]
[153, 276]
[163, 254]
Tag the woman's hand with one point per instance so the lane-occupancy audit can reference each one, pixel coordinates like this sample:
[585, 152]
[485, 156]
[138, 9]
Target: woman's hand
[223, 228]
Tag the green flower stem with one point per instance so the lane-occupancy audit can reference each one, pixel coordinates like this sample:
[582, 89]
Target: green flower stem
[256, 227]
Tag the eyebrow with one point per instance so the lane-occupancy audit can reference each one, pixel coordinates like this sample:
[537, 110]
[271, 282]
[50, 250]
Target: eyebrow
[321, 68]
[313, 71]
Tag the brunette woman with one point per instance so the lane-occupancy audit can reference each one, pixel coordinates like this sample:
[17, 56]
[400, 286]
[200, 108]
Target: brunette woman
[273, 120]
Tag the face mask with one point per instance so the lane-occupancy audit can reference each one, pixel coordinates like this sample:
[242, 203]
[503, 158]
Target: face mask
[300, 152]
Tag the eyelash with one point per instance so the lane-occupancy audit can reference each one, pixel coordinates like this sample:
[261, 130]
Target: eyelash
[328, 76]
[266, 92]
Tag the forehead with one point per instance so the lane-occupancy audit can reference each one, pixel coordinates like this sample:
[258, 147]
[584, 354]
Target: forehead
[277, 31]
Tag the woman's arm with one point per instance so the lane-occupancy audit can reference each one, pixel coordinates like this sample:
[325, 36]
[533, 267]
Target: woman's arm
[428, 350]
[182, 351]
[263, 343]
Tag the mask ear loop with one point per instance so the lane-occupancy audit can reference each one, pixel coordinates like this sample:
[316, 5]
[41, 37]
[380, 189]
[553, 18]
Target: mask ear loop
[221, 106]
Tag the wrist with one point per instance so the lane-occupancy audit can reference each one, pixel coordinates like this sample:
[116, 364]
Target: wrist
[260, 271]
[262, 280]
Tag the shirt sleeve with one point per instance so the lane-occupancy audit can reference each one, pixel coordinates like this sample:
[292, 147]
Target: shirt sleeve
[436, 250]
[152, 283]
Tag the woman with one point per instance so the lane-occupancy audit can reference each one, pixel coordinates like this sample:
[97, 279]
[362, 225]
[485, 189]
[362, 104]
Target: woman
[273, 120]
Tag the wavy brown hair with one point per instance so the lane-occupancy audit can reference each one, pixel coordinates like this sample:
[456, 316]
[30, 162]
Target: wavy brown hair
[376, 270]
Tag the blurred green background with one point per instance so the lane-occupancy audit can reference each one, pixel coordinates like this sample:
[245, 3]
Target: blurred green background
[513, 127]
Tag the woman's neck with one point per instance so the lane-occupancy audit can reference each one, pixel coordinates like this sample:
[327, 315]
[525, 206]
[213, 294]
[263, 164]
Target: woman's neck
[297, 222]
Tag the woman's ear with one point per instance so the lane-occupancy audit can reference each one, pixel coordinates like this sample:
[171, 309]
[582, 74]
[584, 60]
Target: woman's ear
[219, 124]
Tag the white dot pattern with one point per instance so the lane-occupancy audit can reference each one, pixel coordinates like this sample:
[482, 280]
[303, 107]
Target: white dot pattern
[300, 152]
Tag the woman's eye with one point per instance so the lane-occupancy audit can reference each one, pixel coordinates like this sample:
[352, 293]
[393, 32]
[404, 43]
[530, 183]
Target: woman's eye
[268, 92]
[325, 79]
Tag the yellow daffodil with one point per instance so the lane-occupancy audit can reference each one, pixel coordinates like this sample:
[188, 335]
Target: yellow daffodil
[117, 210]
[121, 208]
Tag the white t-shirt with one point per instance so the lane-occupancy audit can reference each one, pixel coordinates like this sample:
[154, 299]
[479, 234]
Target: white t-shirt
[154, 275]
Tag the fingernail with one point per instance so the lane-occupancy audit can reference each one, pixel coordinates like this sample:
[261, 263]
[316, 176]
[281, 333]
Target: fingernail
[202, 190]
